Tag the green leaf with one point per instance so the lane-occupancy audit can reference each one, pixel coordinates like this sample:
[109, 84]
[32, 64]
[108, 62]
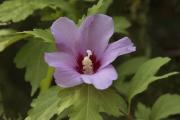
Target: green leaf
[47, 15]
[4, 32]
[31, 57]
[45, 106]
[121, 24]
[87, 102]
[142, 112]
[63, 114]
[8, 37]
[66, 7]
[46, 82]
[146, 75]
[79, 103]
[123, 70]
[17, 10]
[42, 34]
[101, 7]
[165, 106]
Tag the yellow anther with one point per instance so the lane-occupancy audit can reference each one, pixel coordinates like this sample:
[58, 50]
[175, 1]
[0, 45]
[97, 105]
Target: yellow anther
[87, 63]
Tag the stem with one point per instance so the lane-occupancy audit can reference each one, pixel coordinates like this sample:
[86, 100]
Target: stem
[128, 114]
[129, 117]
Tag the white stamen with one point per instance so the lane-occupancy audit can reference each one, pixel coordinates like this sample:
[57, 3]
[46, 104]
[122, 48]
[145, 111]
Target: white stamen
[87, 63]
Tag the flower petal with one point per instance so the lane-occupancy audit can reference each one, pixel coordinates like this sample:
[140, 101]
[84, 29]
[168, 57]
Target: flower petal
[102, 79]
[65, 33]
[60, 59]
[115, 49]
[67, 77]
[87, 78]
[95, 33]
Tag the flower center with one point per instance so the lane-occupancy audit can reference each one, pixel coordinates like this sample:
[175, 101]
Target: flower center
[87, 63]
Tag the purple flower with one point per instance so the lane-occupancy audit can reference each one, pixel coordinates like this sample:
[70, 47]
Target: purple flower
[84, 55]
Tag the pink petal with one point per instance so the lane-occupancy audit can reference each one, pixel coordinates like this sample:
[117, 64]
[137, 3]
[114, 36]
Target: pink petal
[95, 33]
[102, 79]
[115, 49]
[67, 77]
[66, 34]
[60, 59]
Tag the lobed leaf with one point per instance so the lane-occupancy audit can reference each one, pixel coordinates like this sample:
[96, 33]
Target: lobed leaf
[65, 7]
[17, 10]
[125, 69]
[42, 34]
[146, 75]
[45, 106]
[142, 112]
[101, 7]
[31, 57]
[79, 103]
[165, 106]
[8, 37]
[89, 102]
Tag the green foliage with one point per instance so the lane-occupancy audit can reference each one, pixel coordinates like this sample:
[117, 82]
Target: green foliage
[124, 70]
[90, 101]
[65, 7]
[101, 7]
[165, 106]
[4, 32]
[121, 85]
[47, 15]
[31, 57]
[146, 75]
[13, 99]
[45, 106]
[8, 37]
[46, 82]
[142, 112]
[121, 24]
[17, 10]
[42, 34]
[82, 102]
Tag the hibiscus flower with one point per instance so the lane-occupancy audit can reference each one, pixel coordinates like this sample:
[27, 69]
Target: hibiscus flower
[84, 55]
